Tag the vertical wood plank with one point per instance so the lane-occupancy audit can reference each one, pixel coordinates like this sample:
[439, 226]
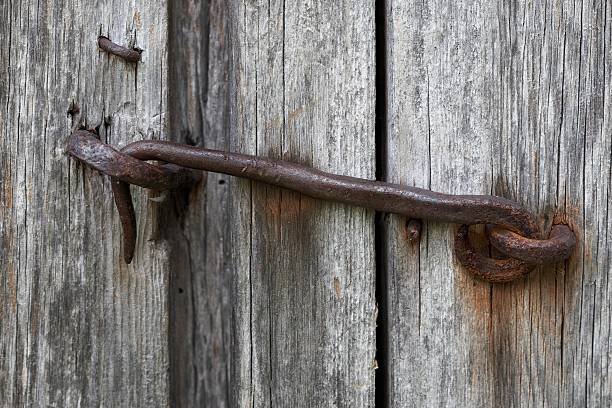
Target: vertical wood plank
[511, 99]
[200, 309]
[77, 326]
[302, 80]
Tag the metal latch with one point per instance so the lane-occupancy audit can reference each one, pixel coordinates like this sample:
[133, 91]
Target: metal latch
[511, 228]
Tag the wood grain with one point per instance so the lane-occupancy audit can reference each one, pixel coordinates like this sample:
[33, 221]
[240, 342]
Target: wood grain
[511, 99]
[302, 87]
[200, 308]
[269, 295]
[77, 326]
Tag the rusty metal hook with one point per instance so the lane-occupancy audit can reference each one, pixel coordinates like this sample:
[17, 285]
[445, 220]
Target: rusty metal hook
[123, 171]
[513, 229]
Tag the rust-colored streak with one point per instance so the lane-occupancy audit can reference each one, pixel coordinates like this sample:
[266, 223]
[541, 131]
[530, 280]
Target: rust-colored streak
[137, 20]
[337, 287]
[8, 192]
[11, 283]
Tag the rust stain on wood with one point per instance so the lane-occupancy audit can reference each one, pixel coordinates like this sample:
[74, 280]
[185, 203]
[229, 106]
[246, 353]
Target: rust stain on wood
[278, 122]
[337, 287]
[8, 191]
[137, 20]
[295, 113]
[288, 205]
[570, 217]
[11, 282]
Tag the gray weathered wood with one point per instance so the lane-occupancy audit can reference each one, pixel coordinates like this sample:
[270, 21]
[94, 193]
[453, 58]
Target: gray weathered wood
[77, 326]
[513, 99]
[269, 295]
[302, 81]
[200, 310]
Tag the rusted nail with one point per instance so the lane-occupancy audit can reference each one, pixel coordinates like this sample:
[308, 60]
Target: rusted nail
[413, 230]
[130, 55]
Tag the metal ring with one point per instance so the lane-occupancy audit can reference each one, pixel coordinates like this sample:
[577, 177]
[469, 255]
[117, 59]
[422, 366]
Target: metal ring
[557, 247]
[483, 267]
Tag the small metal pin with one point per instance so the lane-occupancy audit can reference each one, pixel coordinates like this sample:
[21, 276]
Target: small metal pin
[413, 230]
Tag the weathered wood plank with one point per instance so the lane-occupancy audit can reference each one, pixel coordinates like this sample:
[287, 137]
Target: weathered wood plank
[200, 309]
[302, 81]
[509, 98]
[77, 326]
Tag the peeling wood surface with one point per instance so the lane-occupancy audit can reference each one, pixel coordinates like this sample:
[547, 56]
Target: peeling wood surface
[200, 308]
[302, 86]
[513, 99]
[77, 326]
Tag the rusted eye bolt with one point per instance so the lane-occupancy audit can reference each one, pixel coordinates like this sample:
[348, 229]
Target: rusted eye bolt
[514, 230]
[130, 55]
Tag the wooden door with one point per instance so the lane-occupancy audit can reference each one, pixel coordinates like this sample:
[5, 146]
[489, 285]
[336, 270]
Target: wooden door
[304, 270]
[243, 294]
[511, 99]
[78, 327]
